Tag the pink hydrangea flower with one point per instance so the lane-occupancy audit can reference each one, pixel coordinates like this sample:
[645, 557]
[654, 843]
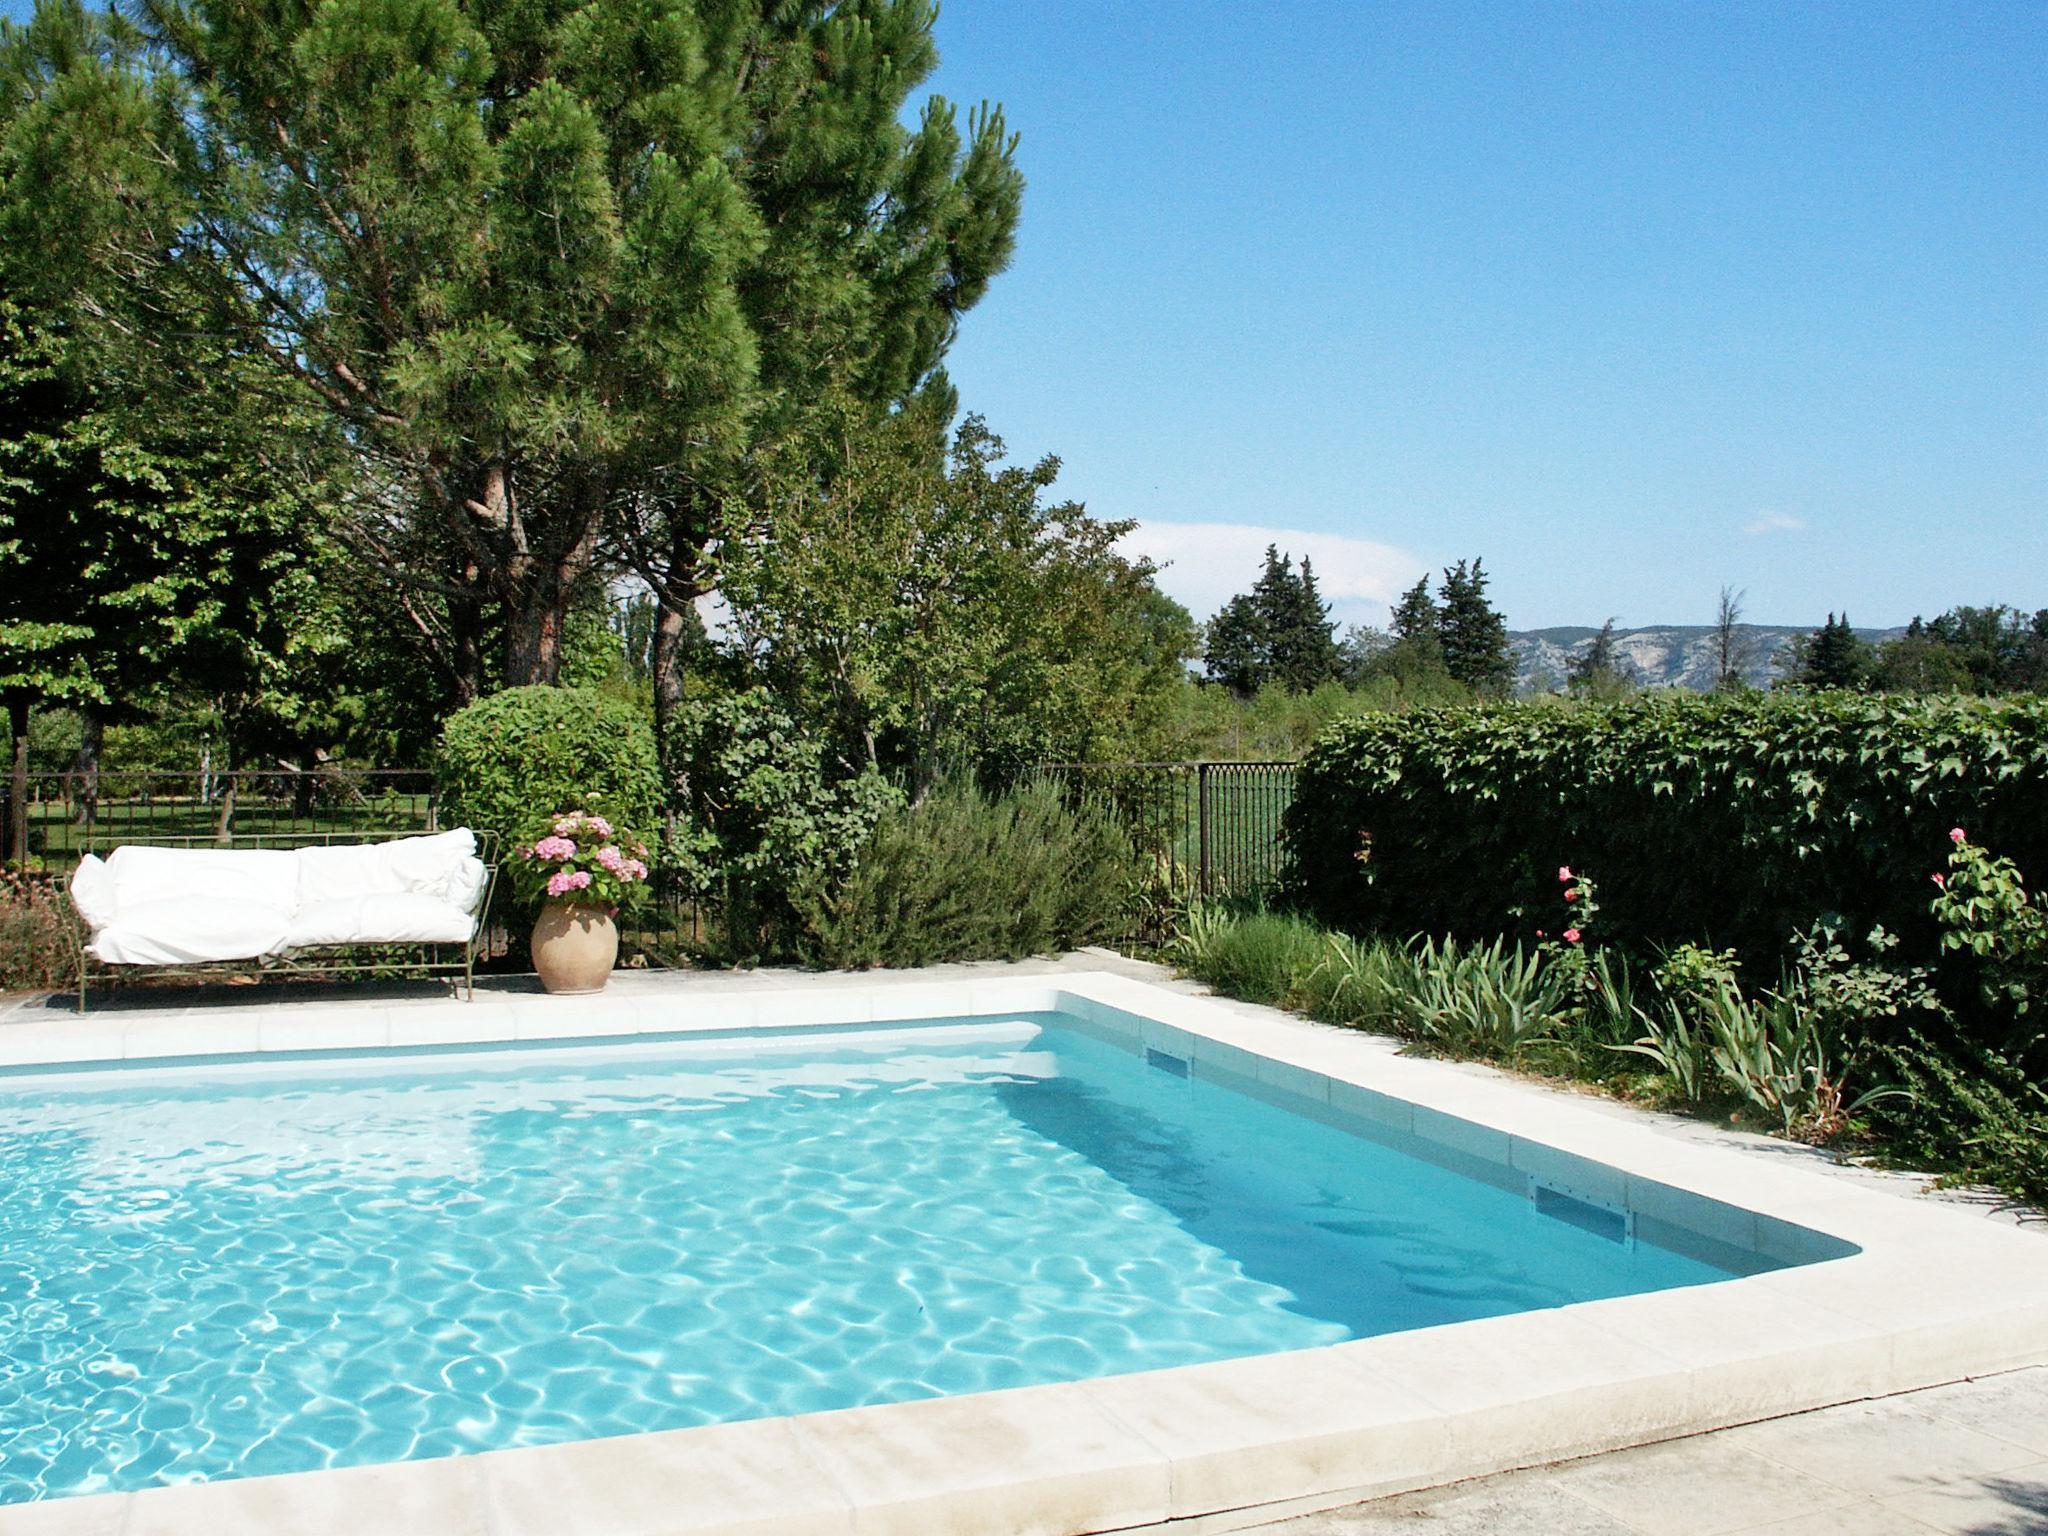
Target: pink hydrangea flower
[563, 881]
[1571, 935]
[1564, 873]
[635, 870]
[1955, 834]
[598, 825]
[556, 847]
[611, 858]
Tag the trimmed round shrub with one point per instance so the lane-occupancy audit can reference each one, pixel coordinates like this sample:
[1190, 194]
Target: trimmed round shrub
[529, 752]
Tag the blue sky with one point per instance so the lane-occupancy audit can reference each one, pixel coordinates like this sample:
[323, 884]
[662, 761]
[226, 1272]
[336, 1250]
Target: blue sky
[1631, 297]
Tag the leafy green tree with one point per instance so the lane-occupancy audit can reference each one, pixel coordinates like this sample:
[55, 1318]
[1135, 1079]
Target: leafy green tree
[927, 608]
[537, 266]
[1833, 656]
[138, 554]
[1472, 631]
[1971, 650]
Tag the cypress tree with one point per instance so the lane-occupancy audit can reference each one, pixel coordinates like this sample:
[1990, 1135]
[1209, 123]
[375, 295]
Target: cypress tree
[1473, 632]
[1304, 648]
[1234, 651]
[1601, 669]
[1835, 656]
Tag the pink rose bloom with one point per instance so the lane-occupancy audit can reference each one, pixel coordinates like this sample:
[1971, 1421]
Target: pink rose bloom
[1541, 934]
[554, 848]
[1564, 873]
[1955, 834]
[1572, 894]
[1571, 935]
[1942, 881]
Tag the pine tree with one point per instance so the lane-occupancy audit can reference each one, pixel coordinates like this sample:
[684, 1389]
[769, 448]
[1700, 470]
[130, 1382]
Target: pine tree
[539, 267]
[1474, 635]
[1834, 656]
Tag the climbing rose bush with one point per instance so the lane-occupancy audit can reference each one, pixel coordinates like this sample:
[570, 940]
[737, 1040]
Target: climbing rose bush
[579, 856]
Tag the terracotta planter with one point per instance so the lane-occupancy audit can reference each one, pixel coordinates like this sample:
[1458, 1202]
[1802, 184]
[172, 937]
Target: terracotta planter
[574, 947]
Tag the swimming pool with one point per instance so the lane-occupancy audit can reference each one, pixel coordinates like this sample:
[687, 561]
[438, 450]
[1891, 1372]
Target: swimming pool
[225, 1270]
[1081, 1252]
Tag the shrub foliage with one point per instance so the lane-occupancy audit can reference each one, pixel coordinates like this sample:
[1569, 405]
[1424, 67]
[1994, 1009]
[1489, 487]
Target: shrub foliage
[964, 876]
[528, 752]
[1731, 821]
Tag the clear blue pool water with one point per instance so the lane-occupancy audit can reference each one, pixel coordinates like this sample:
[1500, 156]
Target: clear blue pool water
[217, 1271]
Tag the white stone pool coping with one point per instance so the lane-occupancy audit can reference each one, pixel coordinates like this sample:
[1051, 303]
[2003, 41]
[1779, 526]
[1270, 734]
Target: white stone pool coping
[1934, 1295]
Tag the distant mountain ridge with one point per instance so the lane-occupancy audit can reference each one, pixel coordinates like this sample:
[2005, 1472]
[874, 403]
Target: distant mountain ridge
[1659, 655]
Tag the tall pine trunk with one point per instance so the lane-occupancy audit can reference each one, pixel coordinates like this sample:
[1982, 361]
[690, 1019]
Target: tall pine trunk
[675, 623]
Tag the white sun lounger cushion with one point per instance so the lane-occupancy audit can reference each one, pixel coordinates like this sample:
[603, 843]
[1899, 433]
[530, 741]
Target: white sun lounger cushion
[176, 906]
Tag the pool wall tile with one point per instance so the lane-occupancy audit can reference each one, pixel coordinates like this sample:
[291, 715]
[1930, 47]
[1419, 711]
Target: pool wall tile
[1481, 1143]
[902, 1004]
[1012, 997]
[1726, 1224]
[1372, 1108]
[1581, 1176]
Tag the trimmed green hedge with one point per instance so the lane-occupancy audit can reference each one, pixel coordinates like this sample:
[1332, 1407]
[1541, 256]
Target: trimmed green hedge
[528, 752]
[1730, 821]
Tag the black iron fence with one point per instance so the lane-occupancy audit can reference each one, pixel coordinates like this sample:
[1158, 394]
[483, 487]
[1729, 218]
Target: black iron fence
[1214, 827]
[70, 814]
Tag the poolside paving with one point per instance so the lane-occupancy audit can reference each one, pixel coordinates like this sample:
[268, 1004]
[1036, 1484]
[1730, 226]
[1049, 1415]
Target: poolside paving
[1959, 1460]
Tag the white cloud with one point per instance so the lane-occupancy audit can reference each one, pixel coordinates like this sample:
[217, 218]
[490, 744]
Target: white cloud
[1774, 522]
[1205, 564]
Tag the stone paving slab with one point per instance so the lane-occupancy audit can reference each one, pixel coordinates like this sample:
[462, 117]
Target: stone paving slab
[1959, 1460]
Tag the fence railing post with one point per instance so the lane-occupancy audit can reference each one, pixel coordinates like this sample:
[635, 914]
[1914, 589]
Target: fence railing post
[1202, 818]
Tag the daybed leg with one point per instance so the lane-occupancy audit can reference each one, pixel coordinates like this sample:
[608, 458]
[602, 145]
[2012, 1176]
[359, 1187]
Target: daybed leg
[469, 972]
[81, 981]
